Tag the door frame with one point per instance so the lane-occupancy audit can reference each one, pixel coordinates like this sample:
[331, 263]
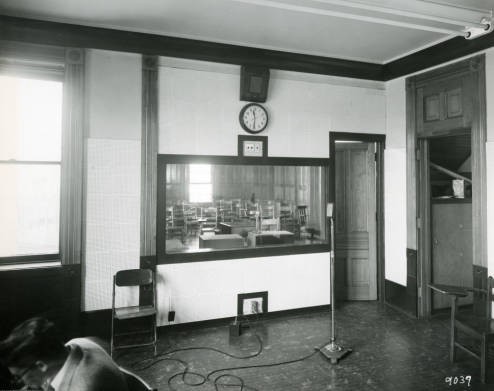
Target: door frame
[418, 191]
[380, 141]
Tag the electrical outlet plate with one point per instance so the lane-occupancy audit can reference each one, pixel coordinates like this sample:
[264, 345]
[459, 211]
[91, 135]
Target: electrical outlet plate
[253, 148]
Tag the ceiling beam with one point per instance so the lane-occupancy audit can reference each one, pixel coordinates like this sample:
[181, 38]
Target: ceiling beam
[70, 35]
[435, 55]
[63, 34]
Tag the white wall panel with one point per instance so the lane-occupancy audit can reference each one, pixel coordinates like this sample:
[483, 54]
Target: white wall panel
[113, 93]
[395, 221]
[112, 219]
[396, 114]
[207, 290]
[199, 113]
[113, 88]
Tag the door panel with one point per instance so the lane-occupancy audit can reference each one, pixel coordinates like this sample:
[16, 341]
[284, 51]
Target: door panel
[355, 222]
[443, 105]
[451, 249]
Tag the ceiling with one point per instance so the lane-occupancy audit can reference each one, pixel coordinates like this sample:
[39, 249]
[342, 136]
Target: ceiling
[248, 23]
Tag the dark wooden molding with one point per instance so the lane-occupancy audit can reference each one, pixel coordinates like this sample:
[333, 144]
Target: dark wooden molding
[53, 292]
[78, 36]
[241, 160]
[480, 275]
[221, 255]
[149, 153]
[24, 259]
[412, 292]
[396, 296]
[64, 34]
[435, 55]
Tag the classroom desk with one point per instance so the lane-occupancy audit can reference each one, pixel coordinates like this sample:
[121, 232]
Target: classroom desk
[270, 237]
[219, 242]
[237, 227]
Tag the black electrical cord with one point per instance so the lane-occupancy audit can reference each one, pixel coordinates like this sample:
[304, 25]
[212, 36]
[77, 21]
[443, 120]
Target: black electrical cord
[264, 365]
[205, 378]
[154, 360]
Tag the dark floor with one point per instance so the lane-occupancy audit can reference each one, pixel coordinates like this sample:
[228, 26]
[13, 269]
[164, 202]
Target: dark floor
[390, 352]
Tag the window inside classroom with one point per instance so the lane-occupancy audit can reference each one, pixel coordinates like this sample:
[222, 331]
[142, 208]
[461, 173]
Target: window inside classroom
[233, 207]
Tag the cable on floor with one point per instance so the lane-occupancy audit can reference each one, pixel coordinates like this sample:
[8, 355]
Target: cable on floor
[185, 374]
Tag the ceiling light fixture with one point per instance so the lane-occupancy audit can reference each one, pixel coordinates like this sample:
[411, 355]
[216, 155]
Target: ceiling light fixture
[419, 14]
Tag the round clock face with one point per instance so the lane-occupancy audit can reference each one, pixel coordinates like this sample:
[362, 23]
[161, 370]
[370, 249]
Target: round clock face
[253, 118]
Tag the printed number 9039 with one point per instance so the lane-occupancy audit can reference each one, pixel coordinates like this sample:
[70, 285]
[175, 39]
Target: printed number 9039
[453, 380]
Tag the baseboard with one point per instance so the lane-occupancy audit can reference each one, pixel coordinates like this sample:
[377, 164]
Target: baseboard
[268, 315]
[397, 297]
[98, 323]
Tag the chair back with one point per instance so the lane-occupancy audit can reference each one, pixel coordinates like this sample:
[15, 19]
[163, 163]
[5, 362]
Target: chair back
[134, 277]
[134, 382]
[302, 215]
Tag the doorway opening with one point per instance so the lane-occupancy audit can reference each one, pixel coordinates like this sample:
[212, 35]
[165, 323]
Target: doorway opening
[357, 191]
[445, 194]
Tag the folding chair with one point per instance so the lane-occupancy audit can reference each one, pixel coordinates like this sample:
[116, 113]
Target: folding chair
[129, 278]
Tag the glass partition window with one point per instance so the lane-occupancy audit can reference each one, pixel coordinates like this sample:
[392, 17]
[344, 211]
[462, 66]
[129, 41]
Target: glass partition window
[221, 207]
[30, 161]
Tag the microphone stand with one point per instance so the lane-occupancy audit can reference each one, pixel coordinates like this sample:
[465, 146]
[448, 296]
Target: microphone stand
[332, 351]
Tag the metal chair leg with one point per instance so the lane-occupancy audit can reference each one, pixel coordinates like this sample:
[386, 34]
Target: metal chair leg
[454, 308]
[483, 357]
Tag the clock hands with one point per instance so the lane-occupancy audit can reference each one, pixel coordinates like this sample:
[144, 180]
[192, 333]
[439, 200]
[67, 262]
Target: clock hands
[253, 118]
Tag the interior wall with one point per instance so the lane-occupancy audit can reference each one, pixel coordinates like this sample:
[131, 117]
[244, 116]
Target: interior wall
[395, 197]
[113, 153]
[199, 106]
[206, 290]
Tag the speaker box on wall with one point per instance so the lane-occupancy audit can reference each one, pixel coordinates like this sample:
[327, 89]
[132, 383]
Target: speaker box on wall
[254, 83]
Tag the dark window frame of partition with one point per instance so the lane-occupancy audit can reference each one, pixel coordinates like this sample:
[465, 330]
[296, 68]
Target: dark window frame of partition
[216, 255]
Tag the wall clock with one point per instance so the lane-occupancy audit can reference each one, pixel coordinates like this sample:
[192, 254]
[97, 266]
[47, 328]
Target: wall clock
[253, 118]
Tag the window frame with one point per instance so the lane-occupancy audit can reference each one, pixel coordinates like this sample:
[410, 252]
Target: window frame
[38, 70]
[215, 255]
[200, 183]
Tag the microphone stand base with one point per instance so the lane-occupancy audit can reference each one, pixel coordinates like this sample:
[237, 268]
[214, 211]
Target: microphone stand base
[334, 352]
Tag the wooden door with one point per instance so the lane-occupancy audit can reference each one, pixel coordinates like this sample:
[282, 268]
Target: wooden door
[451, 248]
[355, 222]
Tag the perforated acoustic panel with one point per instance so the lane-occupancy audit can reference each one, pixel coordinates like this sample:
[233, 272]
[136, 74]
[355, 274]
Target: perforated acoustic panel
[112, 220]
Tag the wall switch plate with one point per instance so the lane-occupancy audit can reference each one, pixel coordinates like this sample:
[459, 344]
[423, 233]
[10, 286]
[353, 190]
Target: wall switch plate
[253, 148]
